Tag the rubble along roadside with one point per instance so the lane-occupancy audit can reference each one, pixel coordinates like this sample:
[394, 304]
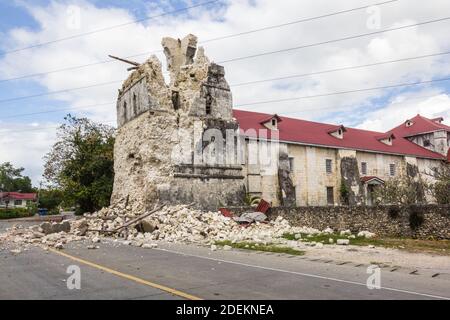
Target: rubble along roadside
[177, 224]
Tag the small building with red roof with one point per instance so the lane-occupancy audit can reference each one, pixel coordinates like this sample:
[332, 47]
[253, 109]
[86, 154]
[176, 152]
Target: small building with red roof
[17, 199]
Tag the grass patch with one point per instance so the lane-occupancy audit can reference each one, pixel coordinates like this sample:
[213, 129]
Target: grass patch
[412, 245]
[261, 247]
[324, 238]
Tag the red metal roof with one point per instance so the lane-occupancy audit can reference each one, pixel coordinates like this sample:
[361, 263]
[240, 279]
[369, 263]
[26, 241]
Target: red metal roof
[18, 196]
[315, 133]
[370, 178]
[419, 125]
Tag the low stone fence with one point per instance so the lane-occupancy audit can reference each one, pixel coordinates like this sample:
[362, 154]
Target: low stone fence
[424, 222]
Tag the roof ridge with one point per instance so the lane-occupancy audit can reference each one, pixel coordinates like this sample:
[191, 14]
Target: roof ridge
[310, 121]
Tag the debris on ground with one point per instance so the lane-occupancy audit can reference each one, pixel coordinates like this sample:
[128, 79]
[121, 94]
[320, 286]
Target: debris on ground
[177, 224]
[343, 242]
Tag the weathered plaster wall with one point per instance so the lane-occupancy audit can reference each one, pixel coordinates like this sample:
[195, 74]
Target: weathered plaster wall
[378, 164]
[310, 179]
[310, 176]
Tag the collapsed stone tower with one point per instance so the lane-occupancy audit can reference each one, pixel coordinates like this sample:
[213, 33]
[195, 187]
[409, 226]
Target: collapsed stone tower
[177, 142]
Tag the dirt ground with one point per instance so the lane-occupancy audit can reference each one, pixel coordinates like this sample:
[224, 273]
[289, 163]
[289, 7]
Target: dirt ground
[380, 255]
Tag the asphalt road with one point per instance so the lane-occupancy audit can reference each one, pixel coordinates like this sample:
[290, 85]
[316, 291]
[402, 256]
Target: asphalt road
[117, 271]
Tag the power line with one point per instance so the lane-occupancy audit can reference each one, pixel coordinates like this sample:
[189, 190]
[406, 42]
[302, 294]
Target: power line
[333, 41]
[251, 56]
[58, 110]
[345, 92]
[348, 106]
[91, 106]
[300, 21]
[43, 128]
[202, 42]
[60, 91]
[338, 93]
[340, 69]
[111, 27]
[243, 83]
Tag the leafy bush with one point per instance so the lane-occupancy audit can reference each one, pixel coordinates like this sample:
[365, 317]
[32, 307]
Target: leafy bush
[402, 190]
[15, 213]
[345, 193]
[250, 200]
[441, 189]
[50, 199]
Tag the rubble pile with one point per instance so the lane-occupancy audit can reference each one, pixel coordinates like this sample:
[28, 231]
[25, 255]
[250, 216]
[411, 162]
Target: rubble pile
[169, 224]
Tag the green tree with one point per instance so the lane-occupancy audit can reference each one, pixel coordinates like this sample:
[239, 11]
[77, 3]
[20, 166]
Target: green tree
[80, 163]
[441, 188]
[51, 199]
[12, 180]
[402, 190]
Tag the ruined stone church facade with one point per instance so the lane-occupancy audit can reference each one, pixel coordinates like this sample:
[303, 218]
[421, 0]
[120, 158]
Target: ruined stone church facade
[166, 132]
[182, 142]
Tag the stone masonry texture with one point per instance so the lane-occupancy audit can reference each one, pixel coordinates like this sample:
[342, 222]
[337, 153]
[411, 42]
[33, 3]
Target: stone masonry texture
[168, 132]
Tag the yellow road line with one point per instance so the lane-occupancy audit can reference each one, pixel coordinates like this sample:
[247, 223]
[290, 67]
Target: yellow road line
[129, 277]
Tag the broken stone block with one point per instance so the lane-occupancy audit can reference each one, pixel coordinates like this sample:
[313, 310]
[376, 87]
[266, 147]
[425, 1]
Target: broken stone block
[59, 246]
[366, 234]
[49, 228]
[46, 227]
[96, 240]
[298, 236]
[227, 248]
[149, 245]
[343, 242]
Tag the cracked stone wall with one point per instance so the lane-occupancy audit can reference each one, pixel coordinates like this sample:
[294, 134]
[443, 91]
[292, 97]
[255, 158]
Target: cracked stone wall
[169, 144]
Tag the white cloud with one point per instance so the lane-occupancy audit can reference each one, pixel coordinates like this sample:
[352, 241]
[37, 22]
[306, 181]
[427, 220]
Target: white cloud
[428, 103]
[25, 146]
[238, 16]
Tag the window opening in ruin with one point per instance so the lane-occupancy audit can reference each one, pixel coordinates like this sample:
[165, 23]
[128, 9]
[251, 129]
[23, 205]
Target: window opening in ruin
[176, 99]
[330, 195]
[364, 168]
[291, 164]
[392, 169]
[208, 103]
[328, 164]
[274, 122]
[135, 104]
[125, 110]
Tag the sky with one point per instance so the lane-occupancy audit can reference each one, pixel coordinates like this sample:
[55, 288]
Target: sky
[44, 43]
